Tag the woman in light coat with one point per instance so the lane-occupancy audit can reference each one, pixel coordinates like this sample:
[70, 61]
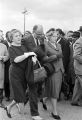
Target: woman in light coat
[3, 58]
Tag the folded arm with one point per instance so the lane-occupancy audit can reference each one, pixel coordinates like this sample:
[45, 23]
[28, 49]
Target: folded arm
[23, 57]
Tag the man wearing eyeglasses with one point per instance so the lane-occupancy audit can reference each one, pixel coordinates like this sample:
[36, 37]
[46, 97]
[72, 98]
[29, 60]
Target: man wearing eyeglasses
[33, 43]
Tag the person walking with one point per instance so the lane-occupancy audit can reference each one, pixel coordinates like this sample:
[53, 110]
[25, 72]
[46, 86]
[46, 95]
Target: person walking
[32, 43]
[18, 58]
[54, 82]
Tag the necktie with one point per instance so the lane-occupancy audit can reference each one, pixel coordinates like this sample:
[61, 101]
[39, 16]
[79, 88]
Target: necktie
[37, 42]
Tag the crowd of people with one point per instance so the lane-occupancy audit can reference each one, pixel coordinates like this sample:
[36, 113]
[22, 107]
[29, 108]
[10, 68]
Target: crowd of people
[19, 56]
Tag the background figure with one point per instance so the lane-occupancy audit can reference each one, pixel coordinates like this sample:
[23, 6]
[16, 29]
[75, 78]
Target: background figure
[7, 64]
[27, 34]
[70, 71]
[65, 46]
[73, 36]
[3, 58]
[1, 36]
[77, 55]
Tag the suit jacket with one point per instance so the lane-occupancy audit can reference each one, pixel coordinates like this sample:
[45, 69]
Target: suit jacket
[31, 46]
[51, 50]
[65, 46]
[77, 49]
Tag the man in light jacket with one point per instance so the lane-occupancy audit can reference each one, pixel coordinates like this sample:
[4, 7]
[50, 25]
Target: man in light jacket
[77, 92]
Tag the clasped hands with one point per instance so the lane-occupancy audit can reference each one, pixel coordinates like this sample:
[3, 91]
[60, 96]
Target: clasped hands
[34, 56]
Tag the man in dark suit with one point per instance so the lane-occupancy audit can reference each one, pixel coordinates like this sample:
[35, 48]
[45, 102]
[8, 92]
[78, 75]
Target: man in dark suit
[32, 44]
[7, 64]
[65, 46]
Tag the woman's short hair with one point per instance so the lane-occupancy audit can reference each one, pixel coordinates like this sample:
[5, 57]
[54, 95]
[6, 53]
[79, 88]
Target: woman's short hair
[13, 31]
[50, 30]
[60, 31]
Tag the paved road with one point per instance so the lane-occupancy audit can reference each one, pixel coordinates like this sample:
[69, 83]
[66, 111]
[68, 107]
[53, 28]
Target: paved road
[65, 110]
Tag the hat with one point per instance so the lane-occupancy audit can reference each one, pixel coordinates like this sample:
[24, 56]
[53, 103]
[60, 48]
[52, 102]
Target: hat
[80, 29]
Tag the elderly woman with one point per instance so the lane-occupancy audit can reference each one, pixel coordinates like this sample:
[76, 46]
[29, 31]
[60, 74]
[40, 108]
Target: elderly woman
[18, 59]
[53, 84]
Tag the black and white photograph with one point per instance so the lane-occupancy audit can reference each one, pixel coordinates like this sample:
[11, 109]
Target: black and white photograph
[40, 60]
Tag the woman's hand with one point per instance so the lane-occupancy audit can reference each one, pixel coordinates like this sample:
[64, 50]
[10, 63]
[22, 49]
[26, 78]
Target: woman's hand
[29, 54]
[34, 59]
[24, 56]
[32, 54]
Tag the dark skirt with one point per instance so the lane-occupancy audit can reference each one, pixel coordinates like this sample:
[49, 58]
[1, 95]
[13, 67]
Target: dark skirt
[18, 83]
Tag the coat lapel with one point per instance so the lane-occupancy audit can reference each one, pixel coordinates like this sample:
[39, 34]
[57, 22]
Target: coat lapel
[52, 46]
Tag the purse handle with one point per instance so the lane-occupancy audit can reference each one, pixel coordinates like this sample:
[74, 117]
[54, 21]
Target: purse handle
[39, 63]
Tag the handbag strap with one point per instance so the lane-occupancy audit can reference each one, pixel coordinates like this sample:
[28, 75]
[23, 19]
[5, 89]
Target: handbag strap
[39, 63]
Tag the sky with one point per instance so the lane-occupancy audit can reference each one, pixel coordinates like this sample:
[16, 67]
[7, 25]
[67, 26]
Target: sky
[64, 14]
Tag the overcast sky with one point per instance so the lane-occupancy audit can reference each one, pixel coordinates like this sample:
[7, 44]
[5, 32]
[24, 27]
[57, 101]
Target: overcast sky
[65, 14]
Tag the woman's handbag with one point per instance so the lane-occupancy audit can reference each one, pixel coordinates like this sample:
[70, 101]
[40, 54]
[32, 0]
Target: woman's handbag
[40, 74]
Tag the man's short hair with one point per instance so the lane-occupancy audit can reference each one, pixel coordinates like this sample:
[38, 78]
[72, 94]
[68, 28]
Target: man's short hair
[35, 28]
[76, 34]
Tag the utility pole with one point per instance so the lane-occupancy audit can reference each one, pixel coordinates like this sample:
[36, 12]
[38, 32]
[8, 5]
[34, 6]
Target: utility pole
[25, 13]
